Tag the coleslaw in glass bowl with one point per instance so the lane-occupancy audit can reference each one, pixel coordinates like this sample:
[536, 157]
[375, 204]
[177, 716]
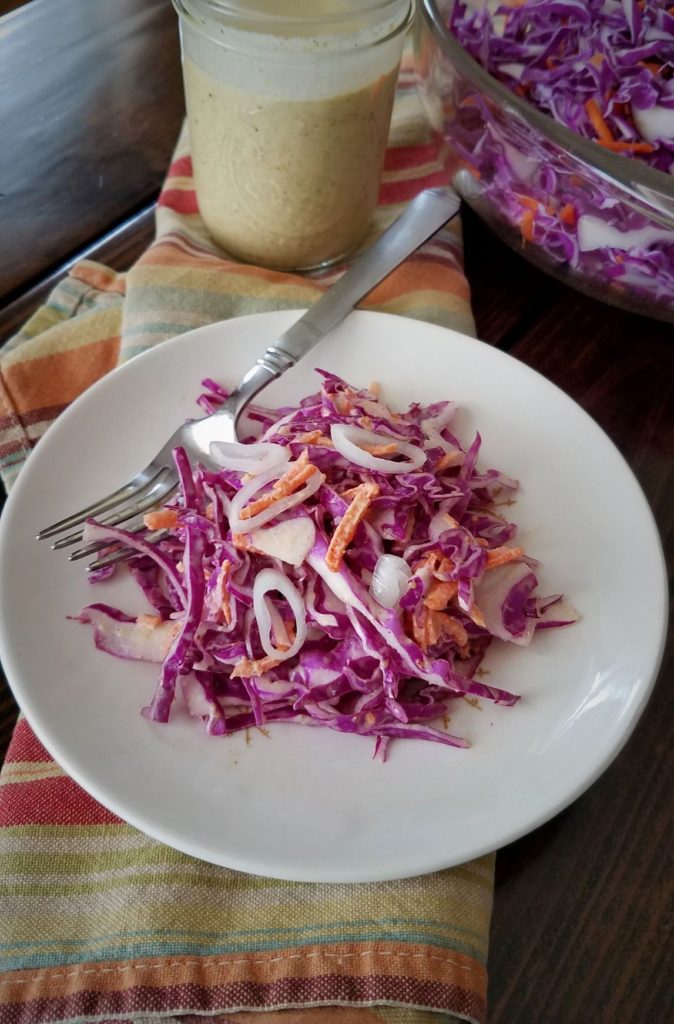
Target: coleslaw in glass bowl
[560, 121]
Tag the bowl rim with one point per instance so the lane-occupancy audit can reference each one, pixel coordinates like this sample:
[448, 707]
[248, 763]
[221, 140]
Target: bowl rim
[648, 185]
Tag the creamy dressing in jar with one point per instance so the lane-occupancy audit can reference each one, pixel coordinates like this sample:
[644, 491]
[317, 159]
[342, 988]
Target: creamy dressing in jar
[288, 126]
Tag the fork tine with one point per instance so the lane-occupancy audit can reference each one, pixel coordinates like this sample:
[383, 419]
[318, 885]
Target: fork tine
[123, 554]
[161, 491]
[91, 549]
[99, 545]
[140, 481]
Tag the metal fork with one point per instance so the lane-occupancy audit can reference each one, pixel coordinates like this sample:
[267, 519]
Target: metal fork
[158, 481]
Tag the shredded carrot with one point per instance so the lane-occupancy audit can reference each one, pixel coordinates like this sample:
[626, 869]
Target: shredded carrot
[422, 629]
[429, 561]
[375, 388]
[315, 437]
[440, 594]
[618, 146]
[503, 555]
[409, 527]
[225, 570]
[285, 642]
[348, 524]
[245, 668]
[529, 201]
[380, 449]
[650, 65]
[151, 621]
[527, 225]
[568, 215]
[291, 481]
[444, 623]
[448, 460]
[597, 121]
[444, 568]
[432, 630]
[597, 59]
[161, 519]
[476, 615]
[242, 542]
[298, 465]
[343, 405]
[431, 625]
[310, 437]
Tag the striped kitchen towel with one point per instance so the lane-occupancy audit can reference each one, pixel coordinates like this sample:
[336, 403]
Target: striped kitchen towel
[97, 921]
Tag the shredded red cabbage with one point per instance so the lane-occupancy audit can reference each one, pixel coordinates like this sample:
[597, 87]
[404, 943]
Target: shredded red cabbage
[285, 622]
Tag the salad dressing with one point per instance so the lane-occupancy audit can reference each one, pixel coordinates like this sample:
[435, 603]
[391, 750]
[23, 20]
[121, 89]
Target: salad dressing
[286, 183]
[289, 104]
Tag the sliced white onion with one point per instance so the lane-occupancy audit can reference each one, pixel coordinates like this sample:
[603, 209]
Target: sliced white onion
[279, 631]
[491, 593]
[324, 619]
[334, 580]
[242, 497]
[266, 581]
[594, 233]
[290, 541]
[433, 426]
[440, 522]
[524, 166]
[347, 439]
[654, 123]
[389, 580]
[512, 68]
[249, 458]
[139, 640]
[195, 698]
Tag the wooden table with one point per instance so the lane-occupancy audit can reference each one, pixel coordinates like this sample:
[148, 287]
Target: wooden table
[90, 105]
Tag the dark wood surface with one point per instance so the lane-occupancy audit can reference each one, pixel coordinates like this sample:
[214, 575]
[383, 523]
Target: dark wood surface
[90, 109]
[90, 104]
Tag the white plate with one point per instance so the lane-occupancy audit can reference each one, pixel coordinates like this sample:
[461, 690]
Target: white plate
[310, 804]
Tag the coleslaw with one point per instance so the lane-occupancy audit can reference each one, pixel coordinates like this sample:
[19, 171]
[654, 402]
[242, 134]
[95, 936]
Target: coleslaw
[604, 70]
[347, 567]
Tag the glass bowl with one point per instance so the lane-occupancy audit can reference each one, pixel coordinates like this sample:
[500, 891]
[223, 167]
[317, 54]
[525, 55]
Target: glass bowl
[598, 221]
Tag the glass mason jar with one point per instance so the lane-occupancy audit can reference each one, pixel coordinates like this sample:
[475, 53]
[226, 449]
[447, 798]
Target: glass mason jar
[289, 104]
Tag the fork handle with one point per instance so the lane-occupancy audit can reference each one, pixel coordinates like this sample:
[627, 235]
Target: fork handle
[425, 215]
